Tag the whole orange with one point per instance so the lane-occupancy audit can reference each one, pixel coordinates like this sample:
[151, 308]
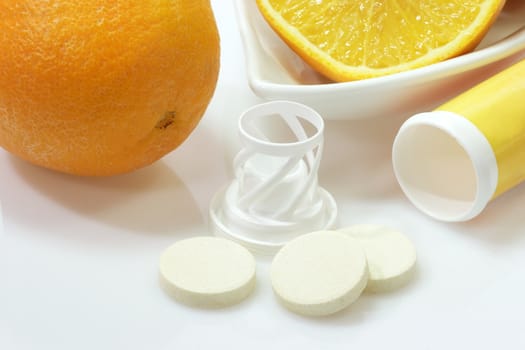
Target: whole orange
[103, 87]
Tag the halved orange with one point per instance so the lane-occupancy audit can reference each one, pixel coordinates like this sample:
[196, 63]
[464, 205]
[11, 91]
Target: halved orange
[349, 40]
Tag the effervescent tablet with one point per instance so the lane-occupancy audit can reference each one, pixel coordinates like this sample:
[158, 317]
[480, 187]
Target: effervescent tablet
[319, 273]
[391, 256]
[207, 271]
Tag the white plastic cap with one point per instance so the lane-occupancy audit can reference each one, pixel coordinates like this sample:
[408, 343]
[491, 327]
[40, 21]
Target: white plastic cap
[274, 196]
[445, 165]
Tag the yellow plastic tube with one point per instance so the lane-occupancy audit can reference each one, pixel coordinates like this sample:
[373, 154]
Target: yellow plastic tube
[452, 161]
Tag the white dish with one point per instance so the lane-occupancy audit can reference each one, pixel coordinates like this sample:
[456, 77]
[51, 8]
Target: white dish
[276, 72]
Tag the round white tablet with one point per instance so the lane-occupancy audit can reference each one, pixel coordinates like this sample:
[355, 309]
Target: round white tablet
[207, 271]
[319, 273]
[391, 256]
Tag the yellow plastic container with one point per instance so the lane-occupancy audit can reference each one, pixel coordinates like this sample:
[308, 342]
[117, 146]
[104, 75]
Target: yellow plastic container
[452, 161]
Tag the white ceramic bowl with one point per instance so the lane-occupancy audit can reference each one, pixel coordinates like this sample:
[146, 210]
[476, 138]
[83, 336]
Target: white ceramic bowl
[276, 72]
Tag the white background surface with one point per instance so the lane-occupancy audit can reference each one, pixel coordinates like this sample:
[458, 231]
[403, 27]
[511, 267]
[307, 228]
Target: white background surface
[78, 256]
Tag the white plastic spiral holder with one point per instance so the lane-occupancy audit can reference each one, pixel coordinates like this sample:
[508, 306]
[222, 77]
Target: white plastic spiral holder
[274, 196]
